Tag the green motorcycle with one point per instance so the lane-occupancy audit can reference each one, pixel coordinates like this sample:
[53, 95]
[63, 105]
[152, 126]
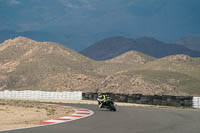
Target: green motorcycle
[109, 104]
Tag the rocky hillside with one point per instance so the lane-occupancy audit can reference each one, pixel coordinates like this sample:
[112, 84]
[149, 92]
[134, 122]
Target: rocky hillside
[27, 64]
[181, 71]
[115, 46]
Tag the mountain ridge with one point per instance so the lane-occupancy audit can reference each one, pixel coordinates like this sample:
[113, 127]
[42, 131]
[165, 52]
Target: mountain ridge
[191, 42]
[115, 46]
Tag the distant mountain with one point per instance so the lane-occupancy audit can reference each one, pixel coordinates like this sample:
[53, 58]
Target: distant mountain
[159, 49]
[191, 42]
[108, 48]
[114, 46]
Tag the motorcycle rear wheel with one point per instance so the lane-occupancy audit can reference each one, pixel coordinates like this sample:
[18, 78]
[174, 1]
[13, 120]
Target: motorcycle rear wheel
[112, 107]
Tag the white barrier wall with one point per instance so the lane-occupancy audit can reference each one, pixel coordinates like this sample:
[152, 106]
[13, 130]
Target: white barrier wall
[76, 95]
[196, 102]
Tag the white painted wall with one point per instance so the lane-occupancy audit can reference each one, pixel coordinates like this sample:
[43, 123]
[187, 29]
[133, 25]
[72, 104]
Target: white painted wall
[196, 102]
[76, 95]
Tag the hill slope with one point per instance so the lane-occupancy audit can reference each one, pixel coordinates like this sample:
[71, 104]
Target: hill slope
[131, 57]
[172, 75]
[181, 71]
[115, 46]
[27, 64]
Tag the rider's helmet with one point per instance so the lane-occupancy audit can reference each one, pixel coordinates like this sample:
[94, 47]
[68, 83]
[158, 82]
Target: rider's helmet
[100, 95]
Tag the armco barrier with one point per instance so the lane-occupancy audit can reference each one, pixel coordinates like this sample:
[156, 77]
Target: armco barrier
[76, 95]
[186, 101]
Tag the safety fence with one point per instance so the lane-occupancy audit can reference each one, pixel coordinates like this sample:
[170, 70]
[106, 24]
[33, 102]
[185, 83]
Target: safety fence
[27, 94]
[166, 100]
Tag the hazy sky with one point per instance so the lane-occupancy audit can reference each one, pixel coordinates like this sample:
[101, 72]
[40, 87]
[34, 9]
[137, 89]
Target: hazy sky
[90, 20]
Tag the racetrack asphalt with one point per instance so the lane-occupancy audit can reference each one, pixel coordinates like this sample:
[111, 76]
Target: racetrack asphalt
[126, 120]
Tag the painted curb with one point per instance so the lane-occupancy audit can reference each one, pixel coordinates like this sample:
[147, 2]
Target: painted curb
[79, 114]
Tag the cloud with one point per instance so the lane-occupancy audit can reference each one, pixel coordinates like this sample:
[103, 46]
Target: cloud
[14, 2]
[10, 2]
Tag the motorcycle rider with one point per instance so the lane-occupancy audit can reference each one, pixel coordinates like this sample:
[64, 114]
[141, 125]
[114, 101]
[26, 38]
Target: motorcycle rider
[101, 99]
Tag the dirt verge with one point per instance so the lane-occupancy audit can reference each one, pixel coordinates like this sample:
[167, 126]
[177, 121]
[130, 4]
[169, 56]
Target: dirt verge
[19, 113]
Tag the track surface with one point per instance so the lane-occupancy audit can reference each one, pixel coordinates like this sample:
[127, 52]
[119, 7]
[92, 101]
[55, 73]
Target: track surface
[126, 120]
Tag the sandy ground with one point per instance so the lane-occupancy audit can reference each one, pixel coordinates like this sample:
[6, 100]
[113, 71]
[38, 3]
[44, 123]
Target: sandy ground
[18, 114]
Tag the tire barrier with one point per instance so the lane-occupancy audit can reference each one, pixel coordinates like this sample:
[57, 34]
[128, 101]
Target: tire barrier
[165, 100]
